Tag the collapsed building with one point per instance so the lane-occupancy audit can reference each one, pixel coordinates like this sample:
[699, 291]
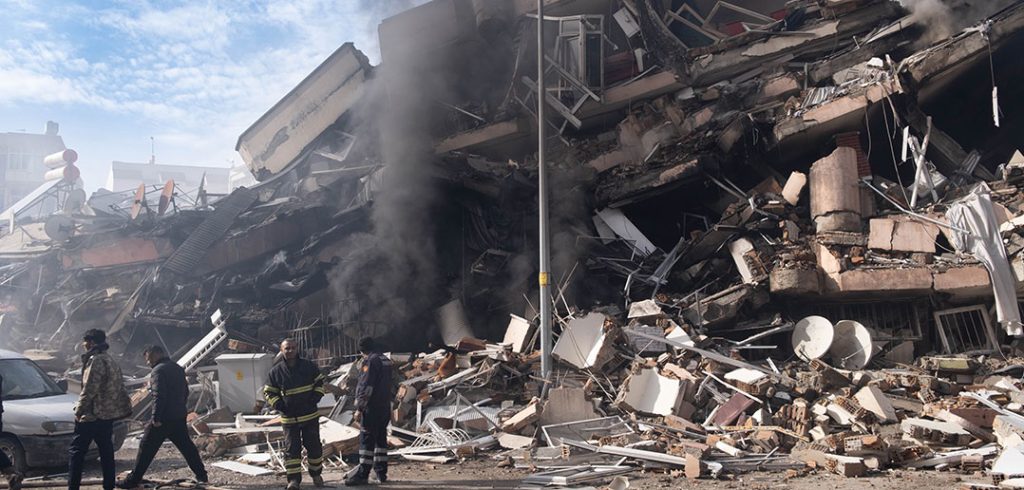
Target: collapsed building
[732, 168]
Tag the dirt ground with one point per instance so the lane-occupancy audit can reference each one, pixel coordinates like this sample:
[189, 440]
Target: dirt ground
[483, 474]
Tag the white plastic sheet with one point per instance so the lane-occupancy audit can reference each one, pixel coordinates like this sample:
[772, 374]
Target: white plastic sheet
[975, 213]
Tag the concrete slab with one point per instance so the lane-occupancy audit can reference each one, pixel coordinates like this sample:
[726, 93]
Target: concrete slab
[582, 341]
[964, 282]
[874, 401]
[902, 235]
[649, 393]
[567, 405]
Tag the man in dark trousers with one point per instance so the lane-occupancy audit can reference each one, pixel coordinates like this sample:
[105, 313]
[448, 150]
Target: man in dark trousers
[373, 410]
[169, 388]
[294, 387]
[10, 473]
[102, 401]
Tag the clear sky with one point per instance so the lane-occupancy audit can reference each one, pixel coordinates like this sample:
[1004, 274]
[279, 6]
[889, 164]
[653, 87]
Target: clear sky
[192, 75]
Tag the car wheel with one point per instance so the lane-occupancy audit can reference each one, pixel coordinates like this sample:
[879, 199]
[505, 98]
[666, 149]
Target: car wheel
[12, 448]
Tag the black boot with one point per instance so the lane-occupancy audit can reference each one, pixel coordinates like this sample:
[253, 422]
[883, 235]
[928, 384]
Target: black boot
[357, 479]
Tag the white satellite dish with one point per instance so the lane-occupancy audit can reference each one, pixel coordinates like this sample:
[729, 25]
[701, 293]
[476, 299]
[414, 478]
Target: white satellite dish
[812, 337]
[59, 227]
[852, 347]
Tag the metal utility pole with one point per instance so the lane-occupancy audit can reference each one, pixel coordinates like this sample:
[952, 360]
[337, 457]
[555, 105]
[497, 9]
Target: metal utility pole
[544, 277]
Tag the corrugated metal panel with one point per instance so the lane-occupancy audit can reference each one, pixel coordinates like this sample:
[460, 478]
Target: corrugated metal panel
[193, 250]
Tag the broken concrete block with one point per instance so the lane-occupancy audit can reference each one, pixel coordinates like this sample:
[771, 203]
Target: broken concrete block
[649, 393]
[567, 405]
[518, 333]
[1009, 464]
[835, 192]
[794, 282]
[874, 401]
[644, 309]
[902, 235]
[741, 251]
[839, 414]
[841, 465]
[971, 281]
[936, 431]
[524, 417]
[794, 186]
[582, 342]
[1009, 432]
[513, 441]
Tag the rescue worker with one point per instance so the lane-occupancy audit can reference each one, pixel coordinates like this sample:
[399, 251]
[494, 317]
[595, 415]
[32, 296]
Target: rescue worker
[11, 474]
[294, 387]
[103, 400]
[373, 411]
[169, 388]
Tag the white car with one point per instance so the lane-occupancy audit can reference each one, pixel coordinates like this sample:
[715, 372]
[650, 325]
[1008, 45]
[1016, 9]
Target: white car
[39, 416]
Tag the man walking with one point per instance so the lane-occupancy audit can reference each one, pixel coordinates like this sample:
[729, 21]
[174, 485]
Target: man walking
[11, 473]
[373, 410]
[102, 401]
[294, 387]
[169, 388]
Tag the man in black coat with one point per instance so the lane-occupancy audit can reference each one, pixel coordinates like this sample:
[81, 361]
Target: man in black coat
[294, 387]
[373, 411]
[169, 388]
[6, 467]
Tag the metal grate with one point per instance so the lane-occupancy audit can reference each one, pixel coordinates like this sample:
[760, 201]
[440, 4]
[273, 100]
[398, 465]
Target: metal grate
[185, 259]
[966, 329]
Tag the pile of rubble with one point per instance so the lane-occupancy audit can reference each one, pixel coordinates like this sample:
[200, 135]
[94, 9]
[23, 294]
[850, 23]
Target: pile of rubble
[644, 391]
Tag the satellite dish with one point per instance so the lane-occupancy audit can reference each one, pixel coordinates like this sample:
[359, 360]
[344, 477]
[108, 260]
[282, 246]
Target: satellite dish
[139, 202]
[852, 348]
[74, 202]
[812, 337]
[166, 196]
[59, 227]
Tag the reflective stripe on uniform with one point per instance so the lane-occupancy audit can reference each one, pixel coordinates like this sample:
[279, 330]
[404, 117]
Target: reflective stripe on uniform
[299, 420]
[297, 390]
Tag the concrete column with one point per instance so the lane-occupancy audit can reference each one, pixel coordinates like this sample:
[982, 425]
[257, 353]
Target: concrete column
[835, 192]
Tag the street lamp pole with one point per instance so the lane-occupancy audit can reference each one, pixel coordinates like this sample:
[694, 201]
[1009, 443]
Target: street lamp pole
[544, 278]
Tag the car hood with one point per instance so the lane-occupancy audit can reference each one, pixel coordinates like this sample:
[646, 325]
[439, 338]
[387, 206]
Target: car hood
[25, 417]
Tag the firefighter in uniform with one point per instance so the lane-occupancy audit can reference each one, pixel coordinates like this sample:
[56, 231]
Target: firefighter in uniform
[373, 410]
[294, 387]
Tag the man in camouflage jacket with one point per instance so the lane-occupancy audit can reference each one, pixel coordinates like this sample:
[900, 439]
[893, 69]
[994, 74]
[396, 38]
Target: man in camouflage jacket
[102, 401]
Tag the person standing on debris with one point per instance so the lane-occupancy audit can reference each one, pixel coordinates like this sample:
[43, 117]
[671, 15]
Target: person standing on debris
[169, 388]
[102, 401]
[294, 388]
[6, 466]
[373, 411]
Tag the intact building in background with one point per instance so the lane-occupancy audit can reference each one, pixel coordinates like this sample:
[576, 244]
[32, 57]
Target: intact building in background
[125, 176]
[21, 161]
[240, 176]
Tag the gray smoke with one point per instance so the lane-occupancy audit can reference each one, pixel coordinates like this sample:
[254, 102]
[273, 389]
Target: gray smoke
[944, 18]
[391, 274]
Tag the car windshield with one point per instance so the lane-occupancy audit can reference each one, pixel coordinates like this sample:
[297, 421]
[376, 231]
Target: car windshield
[22, 378]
